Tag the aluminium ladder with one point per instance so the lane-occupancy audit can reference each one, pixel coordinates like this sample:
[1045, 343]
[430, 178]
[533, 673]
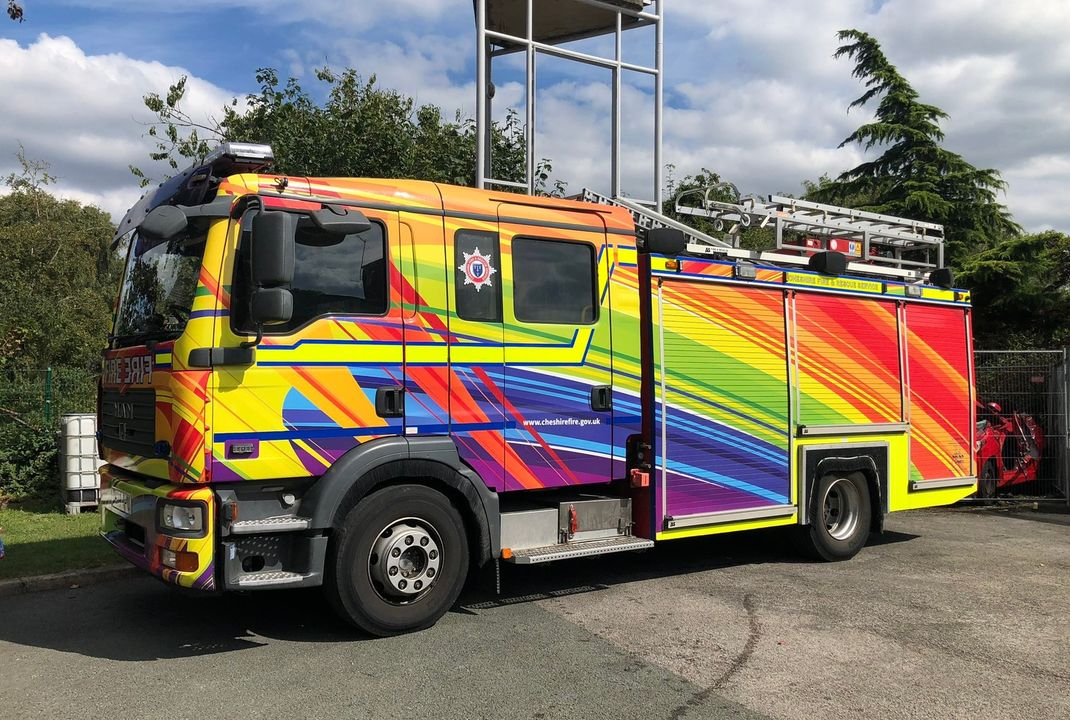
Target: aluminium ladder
[875, 244]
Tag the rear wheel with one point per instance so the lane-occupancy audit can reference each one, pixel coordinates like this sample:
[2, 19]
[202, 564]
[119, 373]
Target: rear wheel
[399, 560]
[986, 484]
[839, 516]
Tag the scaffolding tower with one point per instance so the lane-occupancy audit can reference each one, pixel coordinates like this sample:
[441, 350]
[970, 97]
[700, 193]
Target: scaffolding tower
[504, 27]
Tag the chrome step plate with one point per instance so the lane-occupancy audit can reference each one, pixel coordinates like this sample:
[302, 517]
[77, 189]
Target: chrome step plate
[549, 553]
[270, 578]
[269, 525]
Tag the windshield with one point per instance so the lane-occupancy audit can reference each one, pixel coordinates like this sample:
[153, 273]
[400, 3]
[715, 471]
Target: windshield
[158, 287]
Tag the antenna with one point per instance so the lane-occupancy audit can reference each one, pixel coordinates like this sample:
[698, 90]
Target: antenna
[504, 27]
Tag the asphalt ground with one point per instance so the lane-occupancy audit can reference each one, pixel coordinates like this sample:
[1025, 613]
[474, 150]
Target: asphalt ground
[950, 614]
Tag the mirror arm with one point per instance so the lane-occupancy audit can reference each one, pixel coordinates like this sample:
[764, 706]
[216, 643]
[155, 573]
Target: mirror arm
[255, 341]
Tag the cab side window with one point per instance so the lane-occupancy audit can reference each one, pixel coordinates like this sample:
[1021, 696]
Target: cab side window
[333, 275]
[554, 282]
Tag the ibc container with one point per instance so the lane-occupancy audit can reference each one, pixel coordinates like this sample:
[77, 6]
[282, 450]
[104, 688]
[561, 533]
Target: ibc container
[79, 461]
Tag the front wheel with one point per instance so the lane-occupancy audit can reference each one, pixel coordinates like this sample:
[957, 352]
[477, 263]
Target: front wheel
[399, 561]
[839, 516]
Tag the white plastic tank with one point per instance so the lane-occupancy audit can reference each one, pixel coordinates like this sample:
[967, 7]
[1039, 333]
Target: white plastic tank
[78, 462]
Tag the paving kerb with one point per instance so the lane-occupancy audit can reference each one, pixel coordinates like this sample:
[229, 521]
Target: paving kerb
[57, 581]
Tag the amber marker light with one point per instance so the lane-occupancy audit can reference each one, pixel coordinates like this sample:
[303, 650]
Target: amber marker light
[179, 560]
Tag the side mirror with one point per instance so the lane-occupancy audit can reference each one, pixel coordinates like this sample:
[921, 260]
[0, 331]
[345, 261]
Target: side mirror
[272, 306]
[271, 257]
[272, 250]
[164, 222]
[664, 241]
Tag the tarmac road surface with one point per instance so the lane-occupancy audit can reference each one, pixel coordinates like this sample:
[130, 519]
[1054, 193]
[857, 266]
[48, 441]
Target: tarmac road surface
[950, 614]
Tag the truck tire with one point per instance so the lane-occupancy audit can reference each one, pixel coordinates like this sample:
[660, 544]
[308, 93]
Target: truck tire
[839, 517]
[398, 562]
[986, 484]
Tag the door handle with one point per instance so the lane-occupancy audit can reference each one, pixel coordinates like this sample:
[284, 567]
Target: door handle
[602, 398]
[390, 402]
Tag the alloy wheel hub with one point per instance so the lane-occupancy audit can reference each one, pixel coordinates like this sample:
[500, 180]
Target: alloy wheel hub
[405, 560]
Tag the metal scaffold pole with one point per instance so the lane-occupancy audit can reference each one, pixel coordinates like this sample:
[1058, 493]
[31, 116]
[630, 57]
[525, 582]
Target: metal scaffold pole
[511, 26]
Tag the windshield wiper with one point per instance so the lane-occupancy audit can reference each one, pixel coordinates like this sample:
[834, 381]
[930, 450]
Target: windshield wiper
[145, 336]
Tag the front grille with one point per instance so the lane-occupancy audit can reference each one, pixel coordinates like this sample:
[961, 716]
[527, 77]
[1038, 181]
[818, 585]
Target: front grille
[128, 421]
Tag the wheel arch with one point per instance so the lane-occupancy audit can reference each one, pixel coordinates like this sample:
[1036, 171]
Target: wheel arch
[430, 461]
[871, 461]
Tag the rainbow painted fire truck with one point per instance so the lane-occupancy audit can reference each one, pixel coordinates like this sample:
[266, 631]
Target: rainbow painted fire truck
[379, 385]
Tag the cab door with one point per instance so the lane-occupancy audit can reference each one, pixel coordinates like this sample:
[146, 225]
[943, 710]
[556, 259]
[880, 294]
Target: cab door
[557, 379]
[327, 380]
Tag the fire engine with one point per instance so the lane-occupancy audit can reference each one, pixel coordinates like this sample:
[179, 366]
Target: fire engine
[376, 386]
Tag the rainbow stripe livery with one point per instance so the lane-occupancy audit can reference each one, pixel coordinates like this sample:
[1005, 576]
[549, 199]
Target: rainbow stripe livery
[530, 354]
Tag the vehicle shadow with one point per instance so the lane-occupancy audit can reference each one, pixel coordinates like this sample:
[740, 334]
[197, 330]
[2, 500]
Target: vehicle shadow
[141, 619]
[532, 583]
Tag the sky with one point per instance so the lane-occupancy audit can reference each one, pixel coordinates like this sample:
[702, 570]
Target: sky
[752, 89]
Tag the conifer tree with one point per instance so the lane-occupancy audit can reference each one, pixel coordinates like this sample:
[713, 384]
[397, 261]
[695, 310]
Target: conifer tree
[914, 176]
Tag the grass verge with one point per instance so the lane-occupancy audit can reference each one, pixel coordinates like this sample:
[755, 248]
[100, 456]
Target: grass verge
[38, 543]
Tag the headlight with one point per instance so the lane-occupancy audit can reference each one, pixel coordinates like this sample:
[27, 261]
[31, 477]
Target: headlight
[185, 518]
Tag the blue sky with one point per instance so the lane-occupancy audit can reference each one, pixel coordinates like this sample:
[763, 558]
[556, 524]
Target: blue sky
[752, 89]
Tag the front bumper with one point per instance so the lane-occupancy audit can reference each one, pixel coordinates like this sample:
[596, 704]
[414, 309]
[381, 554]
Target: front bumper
[129, 522]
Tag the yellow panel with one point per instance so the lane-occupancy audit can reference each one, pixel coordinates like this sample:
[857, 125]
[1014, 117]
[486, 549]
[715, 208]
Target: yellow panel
[726, 527]
[835, 283]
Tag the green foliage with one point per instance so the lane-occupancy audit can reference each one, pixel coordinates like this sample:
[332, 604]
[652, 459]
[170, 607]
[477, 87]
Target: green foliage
[1021, 291]
[914, 176]
[28, 466]
[59, 276]
[58, 285]
[359, 130]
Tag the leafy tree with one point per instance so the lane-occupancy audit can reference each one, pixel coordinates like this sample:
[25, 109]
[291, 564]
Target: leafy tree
[1021, 291]
[359, 130]
[914, 176]
[59, 274]
[58, 285]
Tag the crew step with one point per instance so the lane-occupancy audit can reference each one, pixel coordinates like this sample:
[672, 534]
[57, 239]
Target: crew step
[273, 578]
[285, 523]
[549, 553]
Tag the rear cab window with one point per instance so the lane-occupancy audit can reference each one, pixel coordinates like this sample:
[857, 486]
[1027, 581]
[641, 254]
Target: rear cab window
[554, 282]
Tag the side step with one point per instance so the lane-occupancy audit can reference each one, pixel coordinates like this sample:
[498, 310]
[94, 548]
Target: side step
[275, 578]
[285, 523]
[549, 553]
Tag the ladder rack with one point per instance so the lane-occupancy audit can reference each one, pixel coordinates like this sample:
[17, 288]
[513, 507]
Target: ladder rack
[875, 244]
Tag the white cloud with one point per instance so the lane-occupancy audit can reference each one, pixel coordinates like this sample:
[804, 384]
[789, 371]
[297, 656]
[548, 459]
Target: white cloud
[84, 115]
[753, 91]
[772, 109]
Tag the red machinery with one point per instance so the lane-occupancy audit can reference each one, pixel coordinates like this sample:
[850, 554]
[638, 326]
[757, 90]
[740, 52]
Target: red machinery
[1008, 448]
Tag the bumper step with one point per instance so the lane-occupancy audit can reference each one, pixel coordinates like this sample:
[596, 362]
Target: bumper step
[269, 525]
[549, 553]
[274, 578]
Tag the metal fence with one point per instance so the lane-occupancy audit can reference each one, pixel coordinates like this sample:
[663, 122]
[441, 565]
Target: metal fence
[1028, 384]
[39, 397]
[32, 401]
